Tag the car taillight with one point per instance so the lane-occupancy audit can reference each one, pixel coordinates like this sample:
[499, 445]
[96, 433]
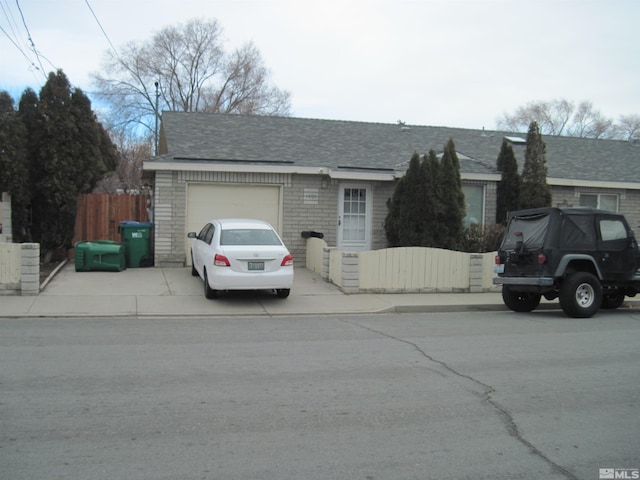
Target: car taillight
[498, 261]
[287, 261]
[542, 258]
[221, 261]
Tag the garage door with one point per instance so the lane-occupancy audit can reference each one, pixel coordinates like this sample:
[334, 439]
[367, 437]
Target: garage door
[206, 201]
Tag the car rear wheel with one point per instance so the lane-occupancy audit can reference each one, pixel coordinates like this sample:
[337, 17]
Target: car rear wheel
[520, 301]
[580, 295]
[612, 300]
[209, 292]
[283, 292]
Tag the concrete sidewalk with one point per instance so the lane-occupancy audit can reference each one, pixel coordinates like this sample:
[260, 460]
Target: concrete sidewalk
[174, 292]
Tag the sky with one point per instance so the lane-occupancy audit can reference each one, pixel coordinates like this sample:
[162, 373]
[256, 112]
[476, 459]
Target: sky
[447, 63]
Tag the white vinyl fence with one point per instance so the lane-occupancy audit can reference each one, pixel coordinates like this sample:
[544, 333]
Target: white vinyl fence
[402, 270]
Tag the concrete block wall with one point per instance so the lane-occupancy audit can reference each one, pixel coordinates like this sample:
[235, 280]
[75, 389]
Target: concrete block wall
[309, 204]
[476, 273]
[168, 198]
[7, 229]
[350, 272]
[30, 268]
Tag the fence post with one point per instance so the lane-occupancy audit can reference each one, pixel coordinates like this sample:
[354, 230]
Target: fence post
[30, 268]
[7, 229]
[325, 263]
[476, 273]
[350, 272]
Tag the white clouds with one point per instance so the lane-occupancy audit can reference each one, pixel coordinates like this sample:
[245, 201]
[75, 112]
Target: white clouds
[455, 63]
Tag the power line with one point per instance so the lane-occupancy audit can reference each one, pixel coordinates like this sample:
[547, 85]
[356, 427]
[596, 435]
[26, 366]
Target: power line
[19, 49]
[101, 28]
[33, 45]
[10, 20]
[14, 37]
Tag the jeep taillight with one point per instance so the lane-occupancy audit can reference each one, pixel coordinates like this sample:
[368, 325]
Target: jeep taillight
[498, 260]
[542, 258]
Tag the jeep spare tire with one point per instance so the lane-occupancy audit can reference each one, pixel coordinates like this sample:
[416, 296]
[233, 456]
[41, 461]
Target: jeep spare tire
[520, 301]
[580, 295]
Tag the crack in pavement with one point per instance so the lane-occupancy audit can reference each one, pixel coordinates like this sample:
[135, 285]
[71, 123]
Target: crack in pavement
[503, 413]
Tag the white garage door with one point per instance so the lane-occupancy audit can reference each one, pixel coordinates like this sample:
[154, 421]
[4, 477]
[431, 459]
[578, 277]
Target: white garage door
[206, 201]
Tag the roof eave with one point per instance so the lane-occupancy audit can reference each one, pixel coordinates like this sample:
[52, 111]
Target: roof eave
[570, 182]
[152, 165]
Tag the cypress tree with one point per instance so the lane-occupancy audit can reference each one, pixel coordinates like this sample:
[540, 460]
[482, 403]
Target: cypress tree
[13, 165]
[508, 192]
[452, 199]
[431, 200]
[404, 224]
[67, 148]
[413, 212]
[86, 141]
[54, 203]
[535, 192]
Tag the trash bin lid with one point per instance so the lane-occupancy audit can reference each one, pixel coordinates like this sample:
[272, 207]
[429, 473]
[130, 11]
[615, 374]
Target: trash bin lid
[131, 223]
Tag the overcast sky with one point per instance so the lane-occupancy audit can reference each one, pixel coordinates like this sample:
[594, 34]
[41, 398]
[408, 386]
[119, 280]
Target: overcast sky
[442, 63]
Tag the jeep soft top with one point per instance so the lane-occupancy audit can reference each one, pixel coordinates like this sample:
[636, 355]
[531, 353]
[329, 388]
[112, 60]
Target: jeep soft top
[585, 257]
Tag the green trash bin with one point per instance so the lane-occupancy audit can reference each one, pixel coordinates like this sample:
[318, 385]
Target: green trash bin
[136, 237]
[99, 255]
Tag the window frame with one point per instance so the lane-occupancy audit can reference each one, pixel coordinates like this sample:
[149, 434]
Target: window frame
[599, 196]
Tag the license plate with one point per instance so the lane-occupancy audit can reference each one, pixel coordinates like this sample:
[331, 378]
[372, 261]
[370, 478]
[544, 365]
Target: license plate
[253, 266]
[498, 268]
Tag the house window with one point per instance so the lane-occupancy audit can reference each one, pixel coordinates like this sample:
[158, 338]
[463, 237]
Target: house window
[603, 201]
[474, 202]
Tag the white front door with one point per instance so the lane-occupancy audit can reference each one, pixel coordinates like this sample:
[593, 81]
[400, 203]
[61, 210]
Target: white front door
[354, 217]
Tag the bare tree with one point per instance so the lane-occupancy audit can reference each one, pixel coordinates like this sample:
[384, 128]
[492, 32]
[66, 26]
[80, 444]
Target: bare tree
[628, 127]
[193, 73]
[560, 117]
[132, 152]
[590, 123]
[551, 117]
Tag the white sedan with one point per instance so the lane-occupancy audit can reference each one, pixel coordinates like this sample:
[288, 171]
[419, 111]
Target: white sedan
[241, 254]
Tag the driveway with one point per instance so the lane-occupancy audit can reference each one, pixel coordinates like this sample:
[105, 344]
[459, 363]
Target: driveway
[173, 291]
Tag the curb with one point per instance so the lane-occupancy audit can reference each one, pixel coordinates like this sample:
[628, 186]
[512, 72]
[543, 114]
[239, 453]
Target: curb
[53, 274]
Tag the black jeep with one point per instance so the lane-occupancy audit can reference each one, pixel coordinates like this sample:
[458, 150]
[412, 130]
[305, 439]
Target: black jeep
[587, 258]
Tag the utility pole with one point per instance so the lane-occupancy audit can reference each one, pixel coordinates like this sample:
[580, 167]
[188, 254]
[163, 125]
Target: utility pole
[156, 112]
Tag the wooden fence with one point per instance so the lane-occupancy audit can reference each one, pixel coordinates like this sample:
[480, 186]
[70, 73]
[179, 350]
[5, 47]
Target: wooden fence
[100, 214]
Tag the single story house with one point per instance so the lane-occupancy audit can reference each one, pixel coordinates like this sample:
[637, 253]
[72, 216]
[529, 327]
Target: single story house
[335, 177]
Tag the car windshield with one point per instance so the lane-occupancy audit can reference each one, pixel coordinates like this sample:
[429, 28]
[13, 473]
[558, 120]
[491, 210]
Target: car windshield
[249, 236]
[530, 230]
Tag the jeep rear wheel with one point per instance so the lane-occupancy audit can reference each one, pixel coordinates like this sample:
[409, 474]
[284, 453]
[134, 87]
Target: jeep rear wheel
[580, 295]
[520, 301]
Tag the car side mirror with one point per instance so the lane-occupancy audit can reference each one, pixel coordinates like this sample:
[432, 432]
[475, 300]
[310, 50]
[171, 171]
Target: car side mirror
[191, 235]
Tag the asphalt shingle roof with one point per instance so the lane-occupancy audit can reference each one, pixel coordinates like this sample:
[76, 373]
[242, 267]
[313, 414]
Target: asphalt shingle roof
[333, 144]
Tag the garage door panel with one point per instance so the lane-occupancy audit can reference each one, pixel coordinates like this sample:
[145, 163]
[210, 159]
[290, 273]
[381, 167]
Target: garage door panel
[206, 201]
